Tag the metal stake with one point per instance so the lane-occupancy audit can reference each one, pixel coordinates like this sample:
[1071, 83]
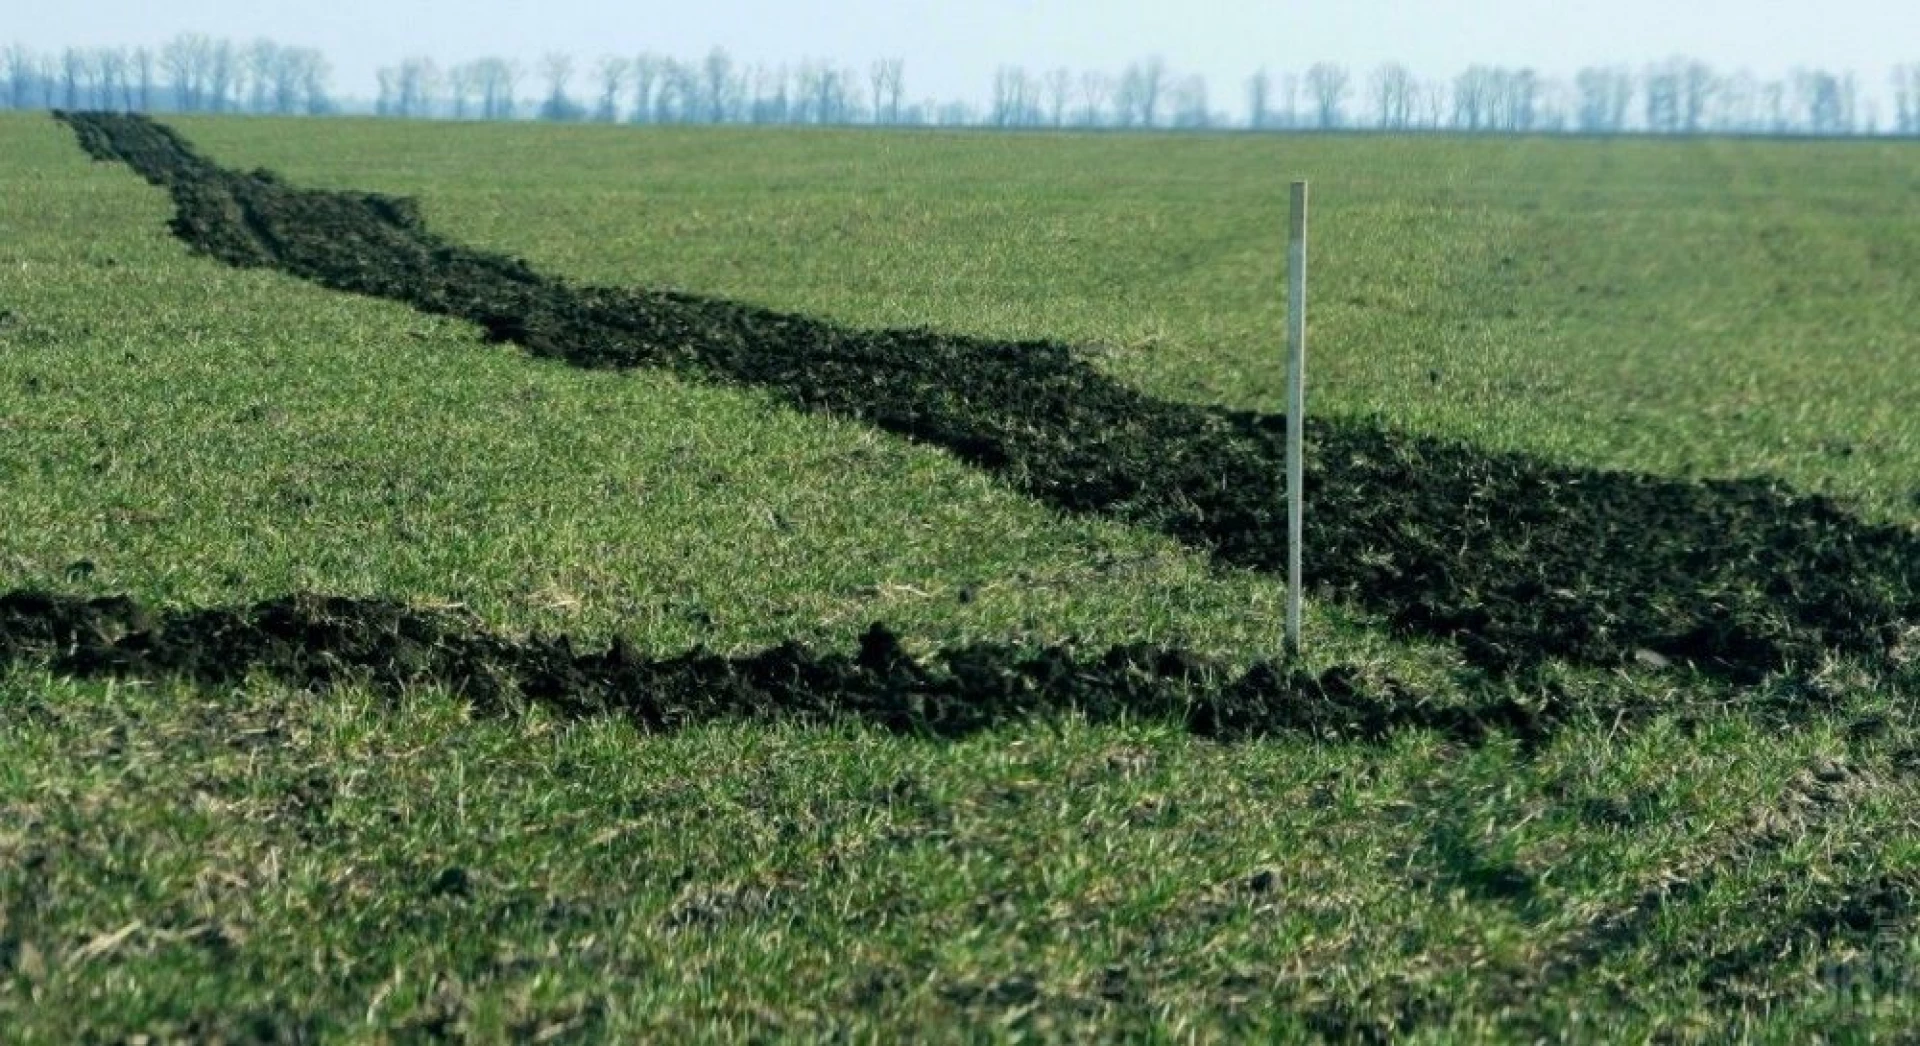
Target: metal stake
[1296, 407]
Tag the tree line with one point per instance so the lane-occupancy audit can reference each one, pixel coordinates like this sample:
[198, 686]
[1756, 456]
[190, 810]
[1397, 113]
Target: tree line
[195, 73]
[191, 73]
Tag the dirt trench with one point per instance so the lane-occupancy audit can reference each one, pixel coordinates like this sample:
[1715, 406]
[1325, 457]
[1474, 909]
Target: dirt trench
[1516, 559]
[322, 642]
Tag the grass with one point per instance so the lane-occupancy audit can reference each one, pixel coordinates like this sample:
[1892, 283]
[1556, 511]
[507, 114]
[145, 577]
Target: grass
[265, 861]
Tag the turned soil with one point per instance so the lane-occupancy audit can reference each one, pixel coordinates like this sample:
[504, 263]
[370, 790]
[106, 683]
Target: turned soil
[321, 642]
[1516, 559]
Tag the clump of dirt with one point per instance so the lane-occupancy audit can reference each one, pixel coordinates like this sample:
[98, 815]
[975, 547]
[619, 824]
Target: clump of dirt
[1518, 559]
[320, 642]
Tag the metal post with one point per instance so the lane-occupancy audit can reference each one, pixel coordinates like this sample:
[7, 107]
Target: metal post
[1296, 407]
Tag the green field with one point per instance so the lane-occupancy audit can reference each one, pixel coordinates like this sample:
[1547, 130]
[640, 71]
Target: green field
[263, 861]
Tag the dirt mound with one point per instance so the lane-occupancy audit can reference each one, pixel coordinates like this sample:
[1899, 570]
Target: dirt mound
[323, 641]
[1517, 559]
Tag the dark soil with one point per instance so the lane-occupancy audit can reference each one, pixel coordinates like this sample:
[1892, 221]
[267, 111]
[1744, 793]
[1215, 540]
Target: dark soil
[1517, 559]
[324, 641]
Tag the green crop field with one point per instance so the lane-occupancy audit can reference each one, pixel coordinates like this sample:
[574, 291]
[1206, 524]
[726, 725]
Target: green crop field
[292, 849]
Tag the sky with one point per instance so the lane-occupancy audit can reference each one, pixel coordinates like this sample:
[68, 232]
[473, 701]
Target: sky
[951, 49]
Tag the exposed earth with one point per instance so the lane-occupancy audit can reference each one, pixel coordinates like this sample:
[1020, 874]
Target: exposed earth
[1515, 559]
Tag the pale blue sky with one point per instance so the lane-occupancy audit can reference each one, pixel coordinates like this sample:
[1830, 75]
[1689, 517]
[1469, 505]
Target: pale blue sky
[951, 49]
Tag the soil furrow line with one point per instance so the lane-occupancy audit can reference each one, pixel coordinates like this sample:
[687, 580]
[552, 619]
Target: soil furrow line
[321, 642]
[1517, 559]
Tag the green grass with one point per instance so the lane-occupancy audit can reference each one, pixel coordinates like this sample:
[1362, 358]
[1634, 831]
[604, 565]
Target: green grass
[190, 863]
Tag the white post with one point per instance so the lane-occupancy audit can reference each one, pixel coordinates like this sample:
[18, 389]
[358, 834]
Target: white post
[1296, 407]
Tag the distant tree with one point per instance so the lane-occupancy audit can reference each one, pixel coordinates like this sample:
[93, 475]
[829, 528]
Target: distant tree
[557, 69]
[387, 87]
[49, 79]
[1906, 96]
[184, 61]
[314, 73]
[1434, 100]
[718, 89]
[408, 90]
[1661, 98]
[463, 83]
[1014, 101]
[1289, 92]
[612, 72]
[1521, 91]
[141, 66]
[832, 101]
[772, 101]
[223, 67]
[1329, 85]
[1393, 88]
[1259, 99]
[73, 77]
[1095, 91]
[1189, 103]
[1059, 89]
[1821, 99]
[495, 80]
[260, 61]
[889, 86]
[1130, 107]
[116, 87]
[645, 74]
[1696, 93]
[1605, 92]
[1735, 104]
[678, 98]
[23, 70]
[1151, 84]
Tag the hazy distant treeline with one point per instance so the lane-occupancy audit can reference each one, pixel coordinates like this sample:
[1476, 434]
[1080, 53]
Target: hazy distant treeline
[195, 73]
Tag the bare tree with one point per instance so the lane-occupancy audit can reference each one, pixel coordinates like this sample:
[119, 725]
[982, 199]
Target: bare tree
[1434, 99]
[141, 70]
[1015, 99]
[557, 69]
[73, 76]
[1152, 85]
[612, 73]
[1059, 88]
[115, 90]
[1189, 103]
[772, 100]
[1259, 99]
[183, 59]
[387, 80]
[678, 98]
[1605, 93]
[889, 85]
[1475, 94]
[645, 74]
[1095, 90]
[223, 66]
[261, 60]
[1328, 84]
[1521, 90]
[1906, 95]
[463, 83]
[496, 80]
[1697, 84]
[409, 89]
[719, 85]
[23, 69]
[1661, 90]
[1393, 87]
